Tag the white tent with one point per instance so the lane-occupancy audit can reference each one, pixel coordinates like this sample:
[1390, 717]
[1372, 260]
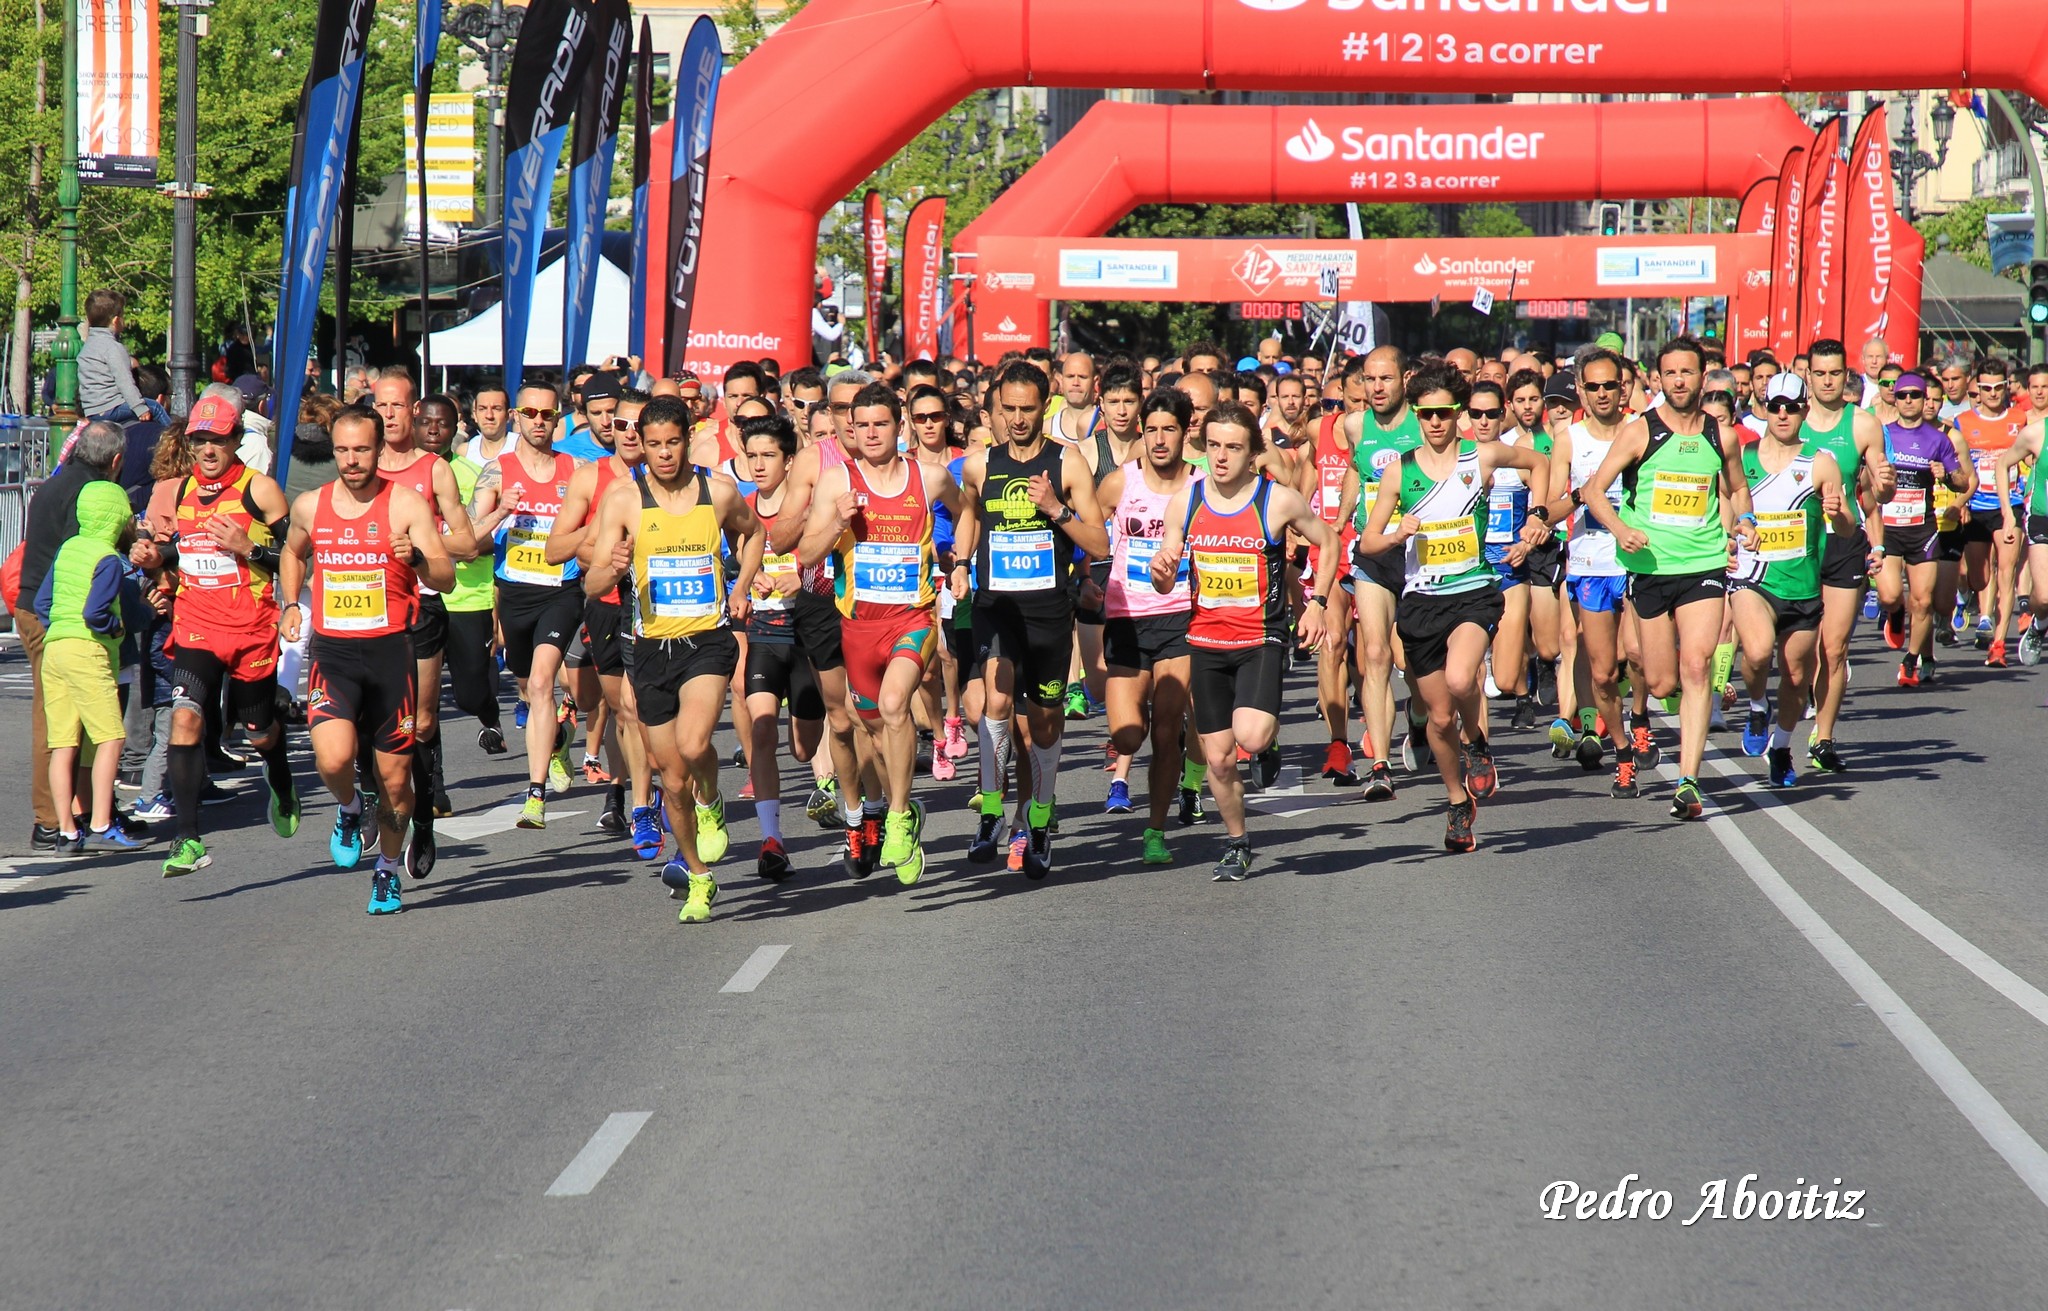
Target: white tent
[481, 341]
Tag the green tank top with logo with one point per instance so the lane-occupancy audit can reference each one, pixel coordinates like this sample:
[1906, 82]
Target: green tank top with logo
[475, 587]
[1673, 497]
[1447, 556]
[1786, 561]
[1376, 450]
[1840, 442]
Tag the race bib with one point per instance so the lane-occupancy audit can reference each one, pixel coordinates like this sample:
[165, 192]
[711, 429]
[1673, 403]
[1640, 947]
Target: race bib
[1904, 514]
[1502, 506]
[1680, 500]
[1020, 562]
[1780, 535]
[1448, 545]
[205, 567]
[682, 586]
[886, 573]
[526, 551]
[352, 600]
[1138, 553]
[1227, 581]
[779, 571]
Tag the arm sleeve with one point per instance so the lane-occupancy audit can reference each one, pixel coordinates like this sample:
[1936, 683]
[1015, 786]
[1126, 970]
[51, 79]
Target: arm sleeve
[103, 603]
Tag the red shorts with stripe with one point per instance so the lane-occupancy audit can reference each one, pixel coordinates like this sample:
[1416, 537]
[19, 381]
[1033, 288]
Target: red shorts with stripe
[870, 644]
[247, 657]
[1346, 539]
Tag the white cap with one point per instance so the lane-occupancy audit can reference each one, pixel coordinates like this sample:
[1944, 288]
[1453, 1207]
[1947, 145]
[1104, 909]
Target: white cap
[1786, 386]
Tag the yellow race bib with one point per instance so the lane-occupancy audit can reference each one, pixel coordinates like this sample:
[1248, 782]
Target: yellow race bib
[1226, 581]
[1679, 500]
[352, 600]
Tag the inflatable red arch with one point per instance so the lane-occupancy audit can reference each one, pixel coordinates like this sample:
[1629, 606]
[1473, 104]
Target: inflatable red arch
[846, 83]
[1120, 156]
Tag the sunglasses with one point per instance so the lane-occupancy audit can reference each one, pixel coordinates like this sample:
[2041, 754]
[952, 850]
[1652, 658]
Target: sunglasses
[1437, 411]
[209, 439]
[1909, 394]
[929, 416]
[800, 405]
[1725, 397]
[535, 412]
[1600, 386]
[624, 423]
[1782, 406]
[1491, 415]
[1331, 405]
[1887, 382]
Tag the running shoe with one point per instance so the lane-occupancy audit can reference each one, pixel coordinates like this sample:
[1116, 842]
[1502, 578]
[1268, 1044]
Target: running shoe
[558, 770]
[1379, 782]
[853, 859]
[1994, 654]
[1625, 785]
[1945, 636]
[420, 851]
[593, 772]
[747, 788]
[823, 806]
[1458, 836]
[1644, 743]
[612, 819]
[712, 839]
[155, 810]
[1895, 629]
[773, 862]
[1337, 765]
[492, 739]
[675, 873]
[1983, 637]
[1109, 757]
[1077, 701]
[956, 739]
[213, 794]
[346, 845]
[1190, 808]
[69, 844]
[646, 833]
[187, 856]
[1756, 733]
[870, 843]
[443, 807]
[2030, 646]
[112, 838]
[1909, 671]
[1119, 802]
[1525, 713]
[534, 814]
[1411, 750]
[384, 898]
[129, 780]
[903, 846]
[1482, 777]
[1591, 750]
[1686, 803]
[1870, 605]
[1038, 855]
[1155, 848]
[1961, 618]
[943, 768]
[1779, 768]
[1268, 767]
[1020, 847]
[1236, 863]
[1562, 739]
[987, 832]
[697, 906]
[1823, 757]
[519, 715]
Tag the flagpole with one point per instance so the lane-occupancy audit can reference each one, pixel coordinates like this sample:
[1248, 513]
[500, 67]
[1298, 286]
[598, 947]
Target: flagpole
[421, 93]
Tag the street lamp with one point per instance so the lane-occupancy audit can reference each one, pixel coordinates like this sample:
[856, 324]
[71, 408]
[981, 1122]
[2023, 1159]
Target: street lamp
[1909, 162]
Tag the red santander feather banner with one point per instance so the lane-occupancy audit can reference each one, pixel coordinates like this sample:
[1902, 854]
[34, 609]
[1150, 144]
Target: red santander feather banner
[924, 245]
[1785, 248]
[1869, 231]
[875, 233]
[1820, 260]
[1902, 316]
[1752, 304]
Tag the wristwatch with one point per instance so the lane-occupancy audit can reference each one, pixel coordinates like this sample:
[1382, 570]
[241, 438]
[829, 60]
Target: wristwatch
[1317, 600]
[1066, 516]
[1540, 512]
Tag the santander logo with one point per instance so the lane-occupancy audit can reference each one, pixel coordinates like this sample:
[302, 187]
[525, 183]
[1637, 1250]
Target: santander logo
[1309, 145]
[1007, 325]
[1425, 266]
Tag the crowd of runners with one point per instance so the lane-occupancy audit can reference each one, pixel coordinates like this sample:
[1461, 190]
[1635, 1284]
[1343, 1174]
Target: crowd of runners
[884, 574]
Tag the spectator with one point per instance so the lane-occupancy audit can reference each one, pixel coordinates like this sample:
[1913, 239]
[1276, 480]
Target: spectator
[238, 356]
[106, 372]
[155, 385]
[79, 604]
[53, 520]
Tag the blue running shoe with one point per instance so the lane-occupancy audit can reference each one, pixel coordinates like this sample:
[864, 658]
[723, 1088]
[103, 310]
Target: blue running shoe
[155, 810]
[1870, 604]
[111, 838]
[1780, 771]
[646, 833]
[346, 846]
[676, 874]
[519, 715]
[1119, 802]
[384, 898]
[1756, 733]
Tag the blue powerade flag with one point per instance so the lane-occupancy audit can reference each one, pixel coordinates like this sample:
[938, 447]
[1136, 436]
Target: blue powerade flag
[592, 149]
[320, 147]
[689, 177]
[426, 47]
[643, 145]
[556, 42]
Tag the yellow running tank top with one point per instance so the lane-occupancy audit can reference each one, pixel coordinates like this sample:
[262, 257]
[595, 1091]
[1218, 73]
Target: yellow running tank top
[678, 577]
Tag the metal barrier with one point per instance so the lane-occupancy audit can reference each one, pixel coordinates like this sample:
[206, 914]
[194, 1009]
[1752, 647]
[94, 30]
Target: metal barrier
[24, 463]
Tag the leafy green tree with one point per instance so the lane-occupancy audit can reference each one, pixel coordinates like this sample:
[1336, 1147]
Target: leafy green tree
[1492, 221]
[746, 27]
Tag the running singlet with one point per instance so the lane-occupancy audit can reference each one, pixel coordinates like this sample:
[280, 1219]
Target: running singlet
[1673, 497]
[1914, 452]
[358, 589]
[678, 581]
[1590, 549]
[770, 618]
[1786, 561]
[883, 564]
[1140, 522]
[1840, 442]
[522, 543]
[474, 588]
[419, 475]
[1445, 557]
[1332, 463]
[1989, 440]
[607, 474]
[1239, 573]
[1022, 556]
[1507, 502]
[1377, 448]
[218, 593]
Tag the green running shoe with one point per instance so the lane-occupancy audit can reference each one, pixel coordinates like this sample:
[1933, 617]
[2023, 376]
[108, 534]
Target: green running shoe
[697, 907]
[1155, 848]
[534, 814]
[189, 855]
[558, 771]
[284, 812]
[712, 839]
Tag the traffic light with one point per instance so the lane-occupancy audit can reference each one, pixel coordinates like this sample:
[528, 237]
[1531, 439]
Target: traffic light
[2037, 294]
[1610, 220]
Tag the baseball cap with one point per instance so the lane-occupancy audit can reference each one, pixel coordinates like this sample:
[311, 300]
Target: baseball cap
[1786, 386]
[1247, 364]
[1563, 386]
[212, 414]
[600, 386]
[1610, 341]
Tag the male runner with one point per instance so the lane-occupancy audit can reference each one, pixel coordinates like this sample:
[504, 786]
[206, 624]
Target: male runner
[1777, 586]
[1926, 456]
[1323, 472]
[1145, 640]
[472, 604]
[1678, 473]
[2030, 447]
[223, 623]
[1545, 564]
[1856, 439]
[1027, 504]
[1990, 428]
[369, 543]
[491, 410]
[1074, 422]
[1451, 601]
[1232, 525]
[873, 516]
[666, 530]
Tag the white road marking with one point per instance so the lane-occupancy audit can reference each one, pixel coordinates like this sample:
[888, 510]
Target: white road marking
[1984, 1112]
[1907, 911]
[498, 819]
[598, 1156]
[22, 871]
[755, 970]
[1291, 794]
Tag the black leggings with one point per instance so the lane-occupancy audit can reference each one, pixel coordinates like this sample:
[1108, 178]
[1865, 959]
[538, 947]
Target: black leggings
[471, 669]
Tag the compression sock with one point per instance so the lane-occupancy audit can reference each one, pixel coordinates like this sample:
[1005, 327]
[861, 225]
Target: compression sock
[996, 749]
[1045, 776]
[423, 776]
[187, 768]
[770, 815]
[1193, 774]
[277, 766]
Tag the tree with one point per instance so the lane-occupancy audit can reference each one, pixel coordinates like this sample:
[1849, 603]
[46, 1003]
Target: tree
[1965, 230]
[1492, 220]
[745, 28]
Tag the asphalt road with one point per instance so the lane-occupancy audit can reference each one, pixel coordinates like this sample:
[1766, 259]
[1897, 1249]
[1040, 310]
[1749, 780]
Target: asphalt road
[1346, 1082]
